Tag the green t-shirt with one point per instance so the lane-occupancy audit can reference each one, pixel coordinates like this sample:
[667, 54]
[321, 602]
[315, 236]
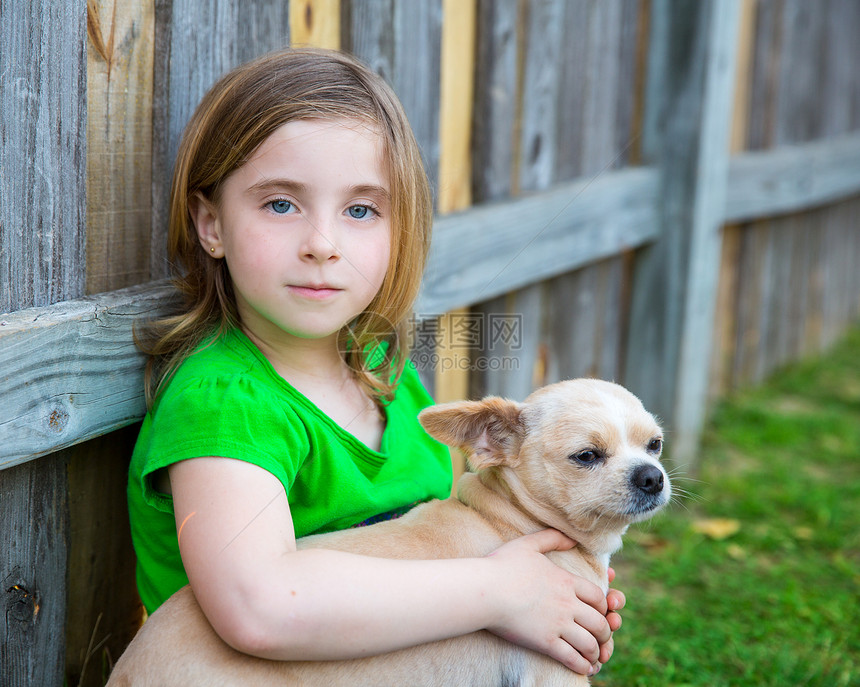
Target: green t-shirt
[227, 400]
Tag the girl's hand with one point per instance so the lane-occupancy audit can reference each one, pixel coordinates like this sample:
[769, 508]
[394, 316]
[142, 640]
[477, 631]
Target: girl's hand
[549, 610]
[615, 601]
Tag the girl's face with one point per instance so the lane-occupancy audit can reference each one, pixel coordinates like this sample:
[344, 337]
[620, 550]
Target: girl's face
[304, 226]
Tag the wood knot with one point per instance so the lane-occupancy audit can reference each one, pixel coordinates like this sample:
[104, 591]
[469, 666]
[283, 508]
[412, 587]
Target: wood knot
[21, 605]
[58, 419]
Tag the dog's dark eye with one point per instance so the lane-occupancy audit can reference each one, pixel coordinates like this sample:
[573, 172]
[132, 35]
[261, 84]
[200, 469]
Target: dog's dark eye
[655, 445]
[586, 457]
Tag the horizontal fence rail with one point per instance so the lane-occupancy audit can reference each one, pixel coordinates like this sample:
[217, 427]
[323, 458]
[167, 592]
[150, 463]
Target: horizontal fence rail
[70, 371]
[500, 246]
[792, 178]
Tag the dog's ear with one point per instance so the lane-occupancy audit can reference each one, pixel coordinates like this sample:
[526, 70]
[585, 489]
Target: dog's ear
[489, 432]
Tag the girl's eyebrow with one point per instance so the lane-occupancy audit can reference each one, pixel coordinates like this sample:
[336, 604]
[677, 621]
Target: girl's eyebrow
[269, 185]
[370, 190]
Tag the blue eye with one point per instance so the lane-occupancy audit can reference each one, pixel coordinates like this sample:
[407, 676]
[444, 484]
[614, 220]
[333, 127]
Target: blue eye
[281, 206]
[359, 211]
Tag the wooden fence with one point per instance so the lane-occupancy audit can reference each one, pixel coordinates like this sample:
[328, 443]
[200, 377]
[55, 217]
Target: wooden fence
[662, 192]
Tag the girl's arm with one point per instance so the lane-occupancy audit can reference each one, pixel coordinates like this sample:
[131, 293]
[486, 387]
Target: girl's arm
[267, 599]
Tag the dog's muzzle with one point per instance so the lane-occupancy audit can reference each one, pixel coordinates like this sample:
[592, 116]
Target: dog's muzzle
[648, 489]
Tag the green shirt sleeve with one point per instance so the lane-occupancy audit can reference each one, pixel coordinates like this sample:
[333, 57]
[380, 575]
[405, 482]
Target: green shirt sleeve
[229, 417]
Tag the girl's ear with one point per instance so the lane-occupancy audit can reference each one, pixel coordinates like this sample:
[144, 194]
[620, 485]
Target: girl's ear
[205, 217]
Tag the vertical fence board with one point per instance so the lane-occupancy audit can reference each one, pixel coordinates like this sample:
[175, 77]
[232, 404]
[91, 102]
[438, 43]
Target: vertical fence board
[495, 108]
[43, 133]
[725, 323]
[368, 33]
[457, 89]
[104, 610]
[493, 124]
[315, 22]
[749, 298]
[812, 332]
[34, 530]
[538, 148]
[455, 169]
[764, 305]
[119, 143]
[42, 214]
[454, 191]
[767, 45]
[584, 327]
[418, 47]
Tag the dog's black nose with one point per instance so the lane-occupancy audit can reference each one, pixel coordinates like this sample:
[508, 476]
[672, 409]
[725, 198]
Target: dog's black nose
[648, 478]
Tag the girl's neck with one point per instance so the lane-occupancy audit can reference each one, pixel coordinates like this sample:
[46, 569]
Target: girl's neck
[316, 369]
[297, 359]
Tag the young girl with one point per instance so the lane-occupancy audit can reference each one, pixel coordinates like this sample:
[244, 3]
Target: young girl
[283, 401]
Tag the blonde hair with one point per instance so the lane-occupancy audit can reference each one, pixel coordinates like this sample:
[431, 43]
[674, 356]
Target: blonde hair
[237, 114]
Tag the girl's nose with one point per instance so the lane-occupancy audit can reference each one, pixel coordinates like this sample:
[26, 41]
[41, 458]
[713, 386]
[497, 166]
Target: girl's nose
[319, 244]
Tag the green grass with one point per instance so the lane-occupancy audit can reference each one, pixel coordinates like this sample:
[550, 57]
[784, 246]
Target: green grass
[777, 602]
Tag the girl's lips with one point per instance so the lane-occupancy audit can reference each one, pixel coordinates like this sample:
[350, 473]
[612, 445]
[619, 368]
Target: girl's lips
[317, 293]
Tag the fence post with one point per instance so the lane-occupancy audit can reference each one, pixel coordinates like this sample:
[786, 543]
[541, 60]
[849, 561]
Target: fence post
[43, 122]
[686, 132]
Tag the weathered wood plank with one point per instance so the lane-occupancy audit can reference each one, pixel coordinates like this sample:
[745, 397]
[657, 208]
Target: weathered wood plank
[791, 178]
[535, 148]
[71, 371]
[43, 124]
[495, 99]
[103, 612]
[583, 324]
[455, 169]
[104, 609]
[497, 247]
[451, 381]
[315, 23]
[43, 120]
[119, 142]
[725, 322]
[457, 91]
[34, 541]
[497, 69]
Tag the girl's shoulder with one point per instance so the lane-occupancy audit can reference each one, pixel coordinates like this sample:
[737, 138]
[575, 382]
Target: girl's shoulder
[221, 360]
[227, 381]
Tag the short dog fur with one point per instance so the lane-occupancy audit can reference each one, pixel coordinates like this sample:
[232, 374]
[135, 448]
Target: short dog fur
[581, 456]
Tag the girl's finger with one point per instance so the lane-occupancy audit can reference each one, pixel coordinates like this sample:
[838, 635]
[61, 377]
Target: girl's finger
[548, 540]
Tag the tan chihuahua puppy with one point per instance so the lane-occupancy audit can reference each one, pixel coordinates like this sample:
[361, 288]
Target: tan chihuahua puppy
[580, 456]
